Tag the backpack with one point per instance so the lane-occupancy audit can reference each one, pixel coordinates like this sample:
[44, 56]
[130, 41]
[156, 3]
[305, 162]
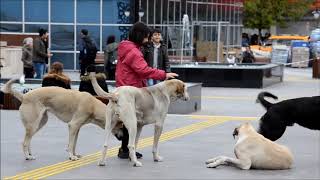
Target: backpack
[112, 56]
[90, 50]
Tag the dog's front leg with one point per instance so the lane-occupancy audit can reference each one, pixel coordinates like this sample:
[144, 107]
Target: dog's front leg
[75, 144]
[157, 134]
[244, 163]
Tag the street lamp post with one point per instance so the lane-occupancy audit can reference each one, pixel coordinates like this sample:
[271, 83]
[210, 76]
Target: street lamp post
[140, 12]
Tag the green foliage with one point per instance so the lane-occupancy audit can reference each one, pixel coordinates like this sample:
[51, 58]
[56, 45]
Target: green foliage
[262, 14]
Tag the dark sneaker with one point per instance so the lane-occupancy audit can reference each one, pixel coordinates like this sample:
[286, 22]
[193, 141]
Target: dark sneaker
[125, 154]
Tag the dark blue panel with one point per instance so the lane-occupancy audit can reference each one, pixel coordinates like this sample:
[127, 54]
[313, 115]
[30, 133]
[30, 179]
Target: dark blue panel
[36, 11]
[88, 11]
[62, 11]
[65, 58]
[34, 28]
[113, 11]
[10, 27]
[10, 10]
[94, 32]
[62, 37]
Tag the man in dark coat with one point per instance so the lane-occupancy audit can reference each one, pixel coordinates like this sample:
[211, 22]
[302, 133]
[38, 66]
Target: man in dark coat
[155, 53]
[88, 50]
[40, 53]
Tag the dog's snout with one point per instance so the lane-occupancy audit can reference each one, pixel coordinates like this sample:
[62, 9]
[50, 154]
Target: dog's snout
[186, 97]
[235, 132]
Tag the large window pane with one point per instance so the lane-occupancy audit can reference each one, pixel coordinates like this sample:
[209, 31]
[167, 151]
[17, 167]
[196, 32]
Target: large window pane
[34, 28]
[94, 32]
[10, 27]
[62, 11]
[36, 11]
[10, 10]
[88, 11]
[65, 58]
[62, 37]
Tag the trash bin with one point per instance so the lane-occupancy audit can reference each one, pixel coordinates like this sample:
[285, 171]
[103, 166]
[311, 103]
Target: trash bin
[316, 68]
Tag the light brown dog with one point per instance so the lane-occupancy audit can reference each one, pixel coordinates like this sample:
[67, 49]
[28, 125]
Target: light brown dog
[252, 150]
[71, 106]
[136, 107]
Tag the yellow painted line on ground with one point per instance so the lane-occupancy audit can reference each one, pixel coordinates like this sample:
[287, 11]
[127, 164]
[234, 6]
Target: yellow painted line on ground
[58, 168]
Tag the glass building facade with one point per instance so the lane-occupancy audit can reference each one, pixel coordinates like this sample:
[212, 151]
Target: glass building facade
[209, 20]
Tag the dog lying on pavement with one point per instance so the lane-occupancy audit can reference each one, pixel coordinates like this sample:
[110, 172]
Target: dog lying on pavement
[252, 150]
[136, 107]
[304, 111]
[71, 106]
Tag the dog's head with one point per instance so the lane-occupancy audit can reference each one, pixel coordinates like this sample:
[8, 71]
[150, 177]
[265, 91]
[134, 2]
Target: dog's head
[244, 128]
[178, 90]
[271, 128]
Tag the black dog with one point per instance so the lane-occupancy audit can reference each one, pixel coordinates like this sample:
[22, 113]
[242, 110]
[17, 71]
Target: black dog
[304, 111]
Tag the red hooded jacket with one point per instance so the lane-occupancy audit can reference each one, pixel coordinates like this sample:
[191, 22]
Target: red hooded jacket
[132, 69]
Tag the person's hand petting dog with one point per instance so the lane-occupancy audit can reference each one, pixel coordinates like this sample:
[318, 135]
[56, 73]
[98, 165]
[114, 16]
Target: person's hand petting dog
[171, 75]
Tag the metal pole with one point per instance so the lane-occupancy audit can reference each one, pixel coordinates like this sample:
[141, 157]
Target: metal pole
[218, 42]
[228, 39]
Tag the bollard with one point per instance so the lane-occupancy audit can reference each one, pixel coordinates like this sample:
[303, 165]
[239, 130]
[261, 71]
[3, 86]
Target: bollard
[316, 68]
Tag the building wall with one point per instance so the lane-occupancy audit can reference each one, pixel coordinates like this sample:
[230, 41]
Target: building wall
[65, 18]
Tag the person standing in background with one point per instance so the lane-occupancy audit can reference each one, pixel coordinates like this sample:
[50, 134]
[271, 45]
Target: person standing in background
[26, 58]
[88, 51]
[110, 57]
[40, 53]
[155, 53]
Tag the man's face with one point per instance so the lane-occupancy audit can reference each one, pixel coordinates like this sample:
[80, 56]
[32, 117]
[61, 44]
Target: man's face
[45, 36]
[156, 37]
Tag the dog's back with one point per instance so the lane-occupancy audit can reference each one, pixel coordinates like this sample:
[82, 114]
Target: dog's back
[269, 155]
[263, 153]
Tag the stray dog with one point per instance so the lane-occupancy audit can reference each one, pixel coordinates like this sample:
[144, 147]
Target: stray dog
[252, 150]
[304, 111]
[73, 107]
[136, 107]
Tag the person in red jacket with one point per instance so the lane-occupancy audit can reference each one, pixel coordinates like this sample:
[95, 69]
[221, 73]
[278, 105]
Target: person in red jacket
[133, 70]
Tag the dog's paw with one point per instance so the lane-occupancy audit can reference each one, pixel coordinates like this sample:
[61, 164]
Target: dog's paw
[212, 165]
[73, 158]
[79, 156]
[101, 163]
[158, 159]
[210, 160]
[137, 164]
[30, 157]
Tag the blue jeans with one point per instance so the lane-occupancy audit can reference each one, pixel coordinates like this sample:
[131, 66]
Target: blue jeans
[39, 69]
[151, 82]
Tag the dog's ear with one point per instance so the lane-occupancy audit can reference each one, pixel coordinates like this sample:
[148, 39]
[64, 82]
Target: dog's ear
[92, 75]
[180, 88]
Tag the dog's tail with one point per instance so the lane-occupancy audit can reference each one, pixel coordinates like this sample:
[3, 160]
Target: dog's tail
[7, 88]
[100, 92]
[266, 104]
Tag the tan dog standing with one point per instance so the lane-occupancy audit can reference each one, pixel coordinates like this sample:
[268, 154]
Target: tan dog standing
[136, 107]
[252, 150]
[71, 106]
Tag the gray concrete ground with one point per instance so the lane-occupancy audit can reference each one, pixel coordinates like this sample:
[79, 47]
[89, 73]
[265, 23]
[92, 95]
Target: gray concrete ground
[186, 143]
